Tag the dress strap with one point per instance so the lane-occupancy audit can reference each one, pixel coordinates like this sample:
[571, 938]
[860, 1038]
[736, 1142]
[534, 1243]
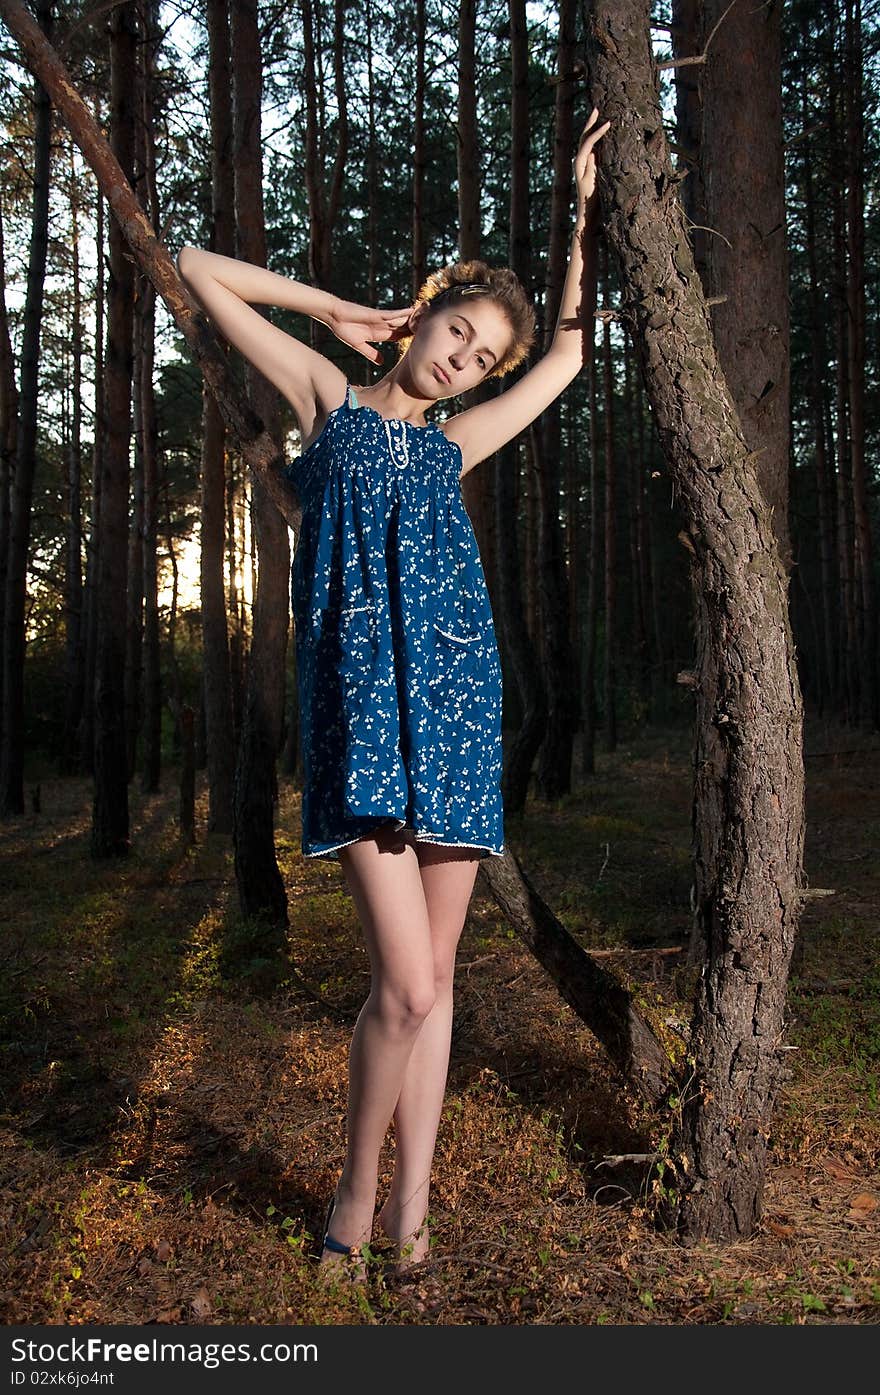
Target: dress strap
[352, 400]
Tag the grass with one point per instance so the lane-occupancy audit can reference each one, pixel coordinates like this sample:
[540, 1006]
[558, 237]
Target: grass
[171, 1121]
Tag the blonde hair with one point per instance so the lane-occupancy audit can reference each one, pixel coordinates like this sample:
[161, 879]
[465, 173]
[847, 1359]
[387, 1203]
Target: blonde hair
[459, 280]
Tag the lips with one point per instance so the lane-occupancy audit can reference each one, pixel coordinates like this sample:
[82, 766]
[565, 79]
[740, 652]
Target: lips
[443, 376]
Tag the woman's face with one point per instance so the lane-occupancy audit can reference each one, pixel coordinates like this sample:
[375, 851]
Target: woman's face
[454, 347]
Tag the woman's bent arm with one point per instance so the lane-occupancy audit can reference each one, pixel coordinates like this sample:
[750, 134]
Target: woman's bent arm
[482, 430]
[226, 289]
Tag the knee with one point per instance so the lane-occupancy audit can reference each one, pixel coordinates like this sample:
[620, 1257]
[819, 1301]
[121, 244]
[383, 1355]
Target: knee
[405, 1007]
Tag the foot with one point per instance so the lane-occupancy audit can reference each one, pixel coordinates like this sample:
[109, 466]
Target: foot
[409, 1235]
[341, 1222]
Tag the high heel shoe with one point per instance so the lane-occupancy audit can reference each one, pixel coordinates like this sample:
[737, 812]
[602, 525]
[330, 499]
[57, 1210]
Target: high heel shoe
[359, 1271]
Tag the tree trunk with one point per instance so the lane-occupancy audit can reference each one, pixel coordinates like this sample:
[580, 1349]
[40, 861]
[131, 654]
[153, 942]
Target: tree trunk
[8, 439]
[152, 671]
[591, 618]
[110, 830]
[869, 706]
[21, 499]
[73, 581]
[90, 606]
[519, 660]
[555, 756]
[219, 735]
[260, 885]
[743, 178]
[610, 515]
[748, 830]
[826, 665]
[467, 145]
[420, 161]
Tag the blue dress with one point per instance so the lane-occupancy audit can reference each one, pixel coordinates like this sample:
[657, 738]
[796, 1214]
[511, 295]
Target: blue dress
[397, 665]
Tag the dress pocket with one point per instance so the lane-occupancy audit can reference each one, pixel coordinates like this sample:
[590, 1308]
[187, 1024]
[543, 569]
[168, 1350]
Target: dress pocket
[358, 644]
[456, 656]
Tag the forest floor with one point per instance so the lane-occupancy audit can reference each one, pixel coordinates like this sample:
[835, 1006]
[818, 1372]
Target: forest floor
[172, 1112]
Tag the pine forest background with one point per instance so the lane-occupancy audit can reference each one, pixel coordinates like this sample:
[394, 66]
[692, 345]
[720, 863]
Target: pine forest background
[387, 163]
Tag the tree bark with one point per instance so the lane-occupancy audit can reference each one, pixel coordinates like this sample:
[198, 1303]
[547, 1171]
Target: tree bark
[866, 589]
[748, 832]
[519, 660]
[8, 439]
[609, 684]
[467, 145]
[260, 884]
[741, 162]
[73, 579]
[554, 769]
[420, 161]
[110, 828]
[152, 672]
[219, 737]
[21, 497]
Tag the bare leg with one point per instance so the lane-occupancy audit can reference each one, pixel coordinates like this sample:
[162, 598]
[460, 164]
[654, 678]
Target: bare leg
[448, 876]
[382, 872]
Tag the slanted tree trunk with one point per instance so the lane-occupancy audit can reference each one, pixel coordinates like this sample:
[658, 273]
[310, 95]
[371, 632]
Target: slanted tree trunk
[21, 498]
[748, 807]
[520, 664]
[110, 830]
[260, 885]
[219, 739]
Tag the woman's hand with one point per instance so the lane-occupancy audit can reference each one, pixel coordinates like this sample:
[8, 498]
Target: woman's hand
[360, 327]
[585, 162]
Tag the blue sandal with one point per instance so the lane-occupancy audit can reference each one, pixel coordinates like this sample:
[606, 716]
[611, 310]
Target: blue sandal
[330, 1242]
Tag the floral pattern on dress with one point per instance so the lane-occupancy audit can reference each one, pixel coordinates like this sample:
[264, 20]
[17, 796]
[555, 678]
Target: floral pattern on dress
[398, 671]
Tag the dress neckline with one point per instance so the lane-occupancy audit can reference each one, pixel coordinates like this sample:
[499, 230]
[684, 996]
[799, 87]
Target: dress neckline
[365, 407]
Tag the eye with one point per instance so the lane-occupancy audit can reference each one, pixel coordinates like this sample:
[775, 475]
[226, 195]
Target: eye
[482, 363]
[455, 330]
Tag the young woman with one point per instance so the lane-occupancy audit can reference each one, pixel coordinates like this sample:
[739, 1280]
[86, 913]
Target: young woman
[399, 677]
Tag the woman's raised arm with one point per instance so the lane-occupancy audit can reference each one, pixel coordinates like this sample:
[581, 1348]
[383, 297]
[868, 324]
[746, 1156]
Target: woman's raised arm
[227, 289]
[480, 431]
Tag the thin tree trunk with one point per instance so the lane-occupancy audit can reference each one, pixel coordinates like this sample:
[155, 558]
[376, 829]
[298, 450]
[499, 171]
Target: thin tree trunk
[90, 606]
[591, 618]
[749, 815]
[869, 705]
[260, 885]
[219, 731]
[554, 769]
[152, 669]
[21, 499]
[609, 672]
[826, 658]
[8, 439]
[420, 160]
[519, 660]
[110, 829]
[467, 145]
[73, 580]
